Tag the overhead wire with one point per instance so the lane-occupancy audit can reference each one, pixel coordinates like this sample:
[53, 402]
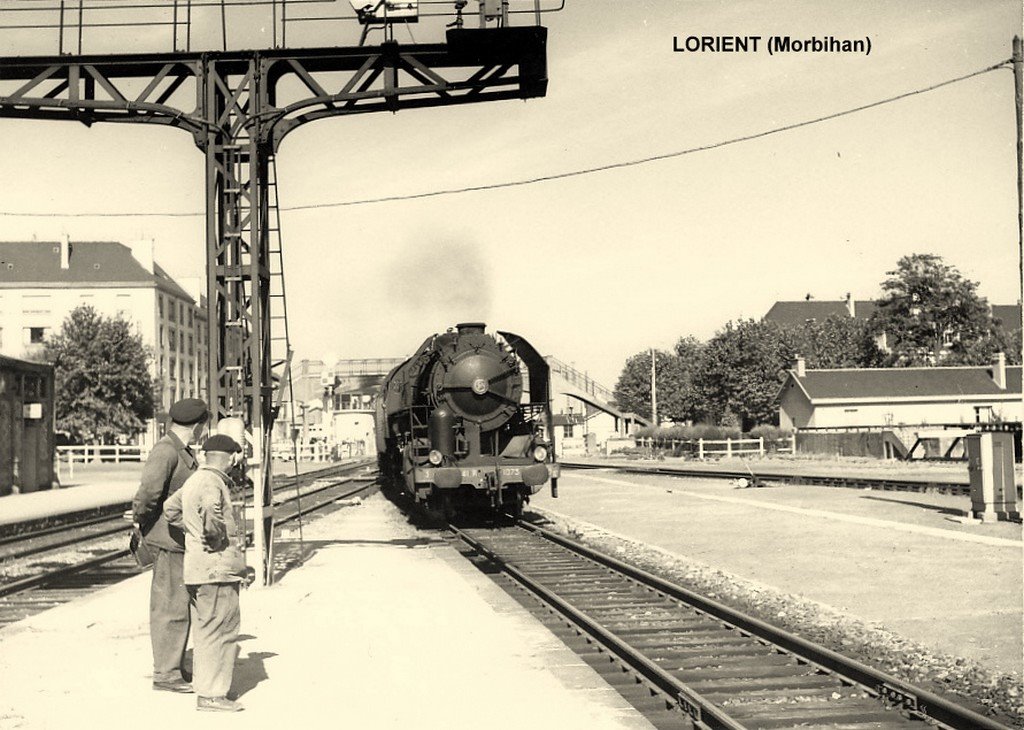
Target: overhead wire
[554, 176]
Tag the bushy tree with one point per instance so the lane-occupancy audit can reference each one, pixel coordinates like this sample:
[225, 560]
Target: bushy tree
[836, 342]
[103, 388]
[932, 315]
[677, 400]
[742, 368]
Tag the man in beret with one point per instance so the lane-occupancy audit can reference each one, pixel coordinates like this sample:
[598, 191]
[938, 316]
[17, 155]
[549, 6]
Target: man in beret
[214, 570]
[170, 463]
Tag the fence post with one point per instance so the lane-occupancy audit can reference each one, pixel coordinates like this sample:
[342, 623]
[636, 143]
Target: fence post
[700, 449]
[760, 444]
[117, 453]
[792, 443]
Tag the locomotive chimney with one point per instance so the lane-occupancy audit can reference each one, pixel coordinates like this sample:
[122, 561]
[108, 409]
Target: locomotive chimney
[467, 328]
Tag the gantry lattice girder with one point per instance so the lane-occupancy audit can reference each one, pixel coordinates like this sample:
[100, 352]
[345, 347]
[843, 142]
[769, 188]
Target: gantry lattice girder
[238, 106]
[474, 65]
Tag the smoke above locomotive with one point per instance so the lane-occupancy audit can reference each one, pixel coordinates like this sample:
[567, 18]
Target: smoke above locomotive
[465, 423]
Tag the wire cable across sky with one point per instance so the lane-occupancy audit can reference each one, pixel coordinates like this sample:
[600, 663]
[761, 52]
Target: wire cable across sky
[548, 178]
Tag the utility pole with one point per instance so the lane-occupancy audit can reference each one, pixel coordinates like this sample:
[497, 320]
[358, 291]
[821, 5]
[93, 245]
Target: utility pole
[654, 391]
[1018, 94]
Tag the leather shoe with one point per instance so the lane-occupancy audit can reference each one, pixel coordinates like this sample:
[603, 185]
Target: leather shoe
[218, 704]
[174, 685]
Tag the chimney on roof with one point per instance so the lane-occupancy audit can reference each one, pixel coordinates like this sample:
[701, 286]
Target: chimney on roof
[65, 252]
[999, 370]
[851, 306]
[143, 253]
[799, 366]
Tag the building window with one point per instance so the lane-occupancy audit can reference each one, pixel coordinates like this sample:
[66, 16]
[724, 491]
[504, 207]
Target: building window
[190, 344]
[567, 431]
[160, 303]
[161, 335]
[172, 312]
[172, 339]
[181, 312]
[190, 317]
[35, 335]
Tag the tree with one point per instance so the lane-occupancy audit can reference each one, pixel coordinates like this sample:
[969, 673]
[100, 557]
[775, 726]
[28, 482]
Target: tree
[836, 342]
[102, 384]
[741, 371]
[676, 396]
[931, 315]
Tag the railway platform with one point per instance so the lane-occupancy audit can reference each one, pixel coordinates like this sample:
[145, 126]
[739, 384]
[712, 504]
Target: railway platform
[904, 562]
[380, 626]
[96, 487]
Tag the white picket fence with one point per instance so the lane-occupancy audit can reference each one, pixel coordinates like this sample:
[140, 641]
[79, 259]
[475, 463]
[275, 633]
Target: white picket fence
[115, 453]
[713, 448]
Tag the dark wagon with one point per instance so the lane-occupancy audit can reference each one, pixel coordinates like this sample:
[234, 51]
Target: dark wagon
[26, 426]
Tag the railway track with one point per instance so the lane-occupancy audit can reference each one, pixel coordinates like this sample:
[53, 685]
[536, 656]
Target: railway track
[685, 660]
[823, 480]
[85, 556]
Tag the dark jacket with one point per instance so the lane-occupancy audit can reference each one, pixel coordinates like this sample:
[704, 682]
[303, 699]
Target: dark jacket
[169, 464]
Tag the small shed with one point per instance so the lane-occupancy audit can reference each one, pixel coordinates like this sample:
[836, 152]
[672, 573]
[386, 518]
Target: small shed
[26, 426]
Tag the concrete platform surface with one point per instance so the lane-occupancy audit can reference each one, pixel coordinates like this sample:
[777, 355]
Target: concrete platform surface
[895, 559]
[383, 626]
[98, 485]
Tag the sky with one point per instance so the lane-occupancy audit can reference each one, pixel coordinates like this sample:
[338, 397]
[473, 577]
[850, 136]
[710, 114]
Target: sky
[594, 268]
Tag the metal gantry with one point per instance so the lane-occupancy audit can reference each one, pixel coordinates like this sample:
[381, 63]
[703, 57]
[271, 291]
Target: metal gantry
[238, 106]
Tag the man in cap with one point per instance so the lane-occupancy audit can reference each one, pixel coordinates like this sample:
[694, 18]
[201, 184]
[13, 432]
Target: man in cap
[214, 569]
[170, 463]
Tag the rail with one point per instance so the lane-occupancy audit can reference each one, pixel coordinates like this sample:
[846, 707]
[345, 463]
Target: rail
[702, 654]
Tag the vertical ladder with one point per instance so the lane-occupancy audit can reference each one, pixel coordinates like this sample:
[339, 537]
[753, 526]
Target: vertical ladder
[280, 342]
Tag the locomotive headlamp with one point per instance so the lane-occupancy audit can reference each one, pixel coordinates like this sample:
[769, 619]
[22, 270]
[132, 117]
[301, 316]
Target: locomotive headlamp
[540, 453]
[435, 457]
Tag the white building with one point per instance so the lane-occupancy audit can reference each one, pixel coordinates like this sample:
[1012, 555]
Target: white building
[41, 282]
[894, 397]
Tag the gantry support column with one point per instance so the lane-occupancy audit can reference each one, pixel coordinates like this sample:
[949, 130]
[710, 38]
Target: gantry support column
[238, 272]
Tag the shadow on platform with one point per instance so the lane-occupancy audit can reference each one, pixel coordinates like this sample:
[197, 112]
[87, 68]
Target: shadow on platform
[924, 505]
[250, 670]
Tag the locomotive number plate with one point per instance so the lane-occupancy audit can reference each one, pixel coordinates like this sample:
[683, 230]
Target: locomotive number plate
[509, 472]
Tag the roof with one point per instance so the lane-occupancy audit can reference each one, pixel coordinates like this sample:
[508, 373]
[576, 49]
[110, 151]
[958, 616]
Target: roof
[91, 263]
[1008, 316]
[796, 313]
[882, 383]
[11, 364]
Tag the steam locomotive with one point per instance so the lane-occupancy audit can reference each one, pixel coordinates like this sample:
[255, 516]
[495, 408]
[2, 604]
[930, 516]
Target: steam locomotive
[454, 430]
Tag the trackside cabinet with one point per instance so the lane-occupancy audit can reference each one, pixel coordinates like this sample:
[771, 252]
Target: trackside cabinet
[993, 485]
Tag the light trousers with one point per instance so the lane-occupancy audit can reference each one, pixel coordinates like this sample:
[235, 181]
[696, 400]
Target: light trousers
[168, 615]
[215, 622]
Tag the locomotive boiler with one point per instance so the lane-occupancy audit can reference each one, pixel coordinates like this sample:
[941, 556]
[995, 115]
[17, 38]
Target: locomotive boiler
[455, 430]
